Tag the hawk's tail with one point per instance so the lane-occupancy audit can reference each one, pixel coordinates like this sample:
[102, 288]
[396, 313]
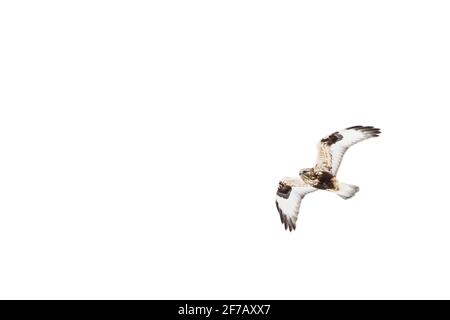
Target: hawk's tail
[346, 191]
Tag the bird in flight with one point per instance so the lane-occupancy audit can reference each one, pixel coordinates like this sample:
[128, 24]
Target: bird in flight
[332, 148]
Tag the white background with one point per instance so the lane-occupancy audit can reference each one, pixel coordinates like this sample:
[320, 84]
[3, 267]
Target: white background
[141, 144]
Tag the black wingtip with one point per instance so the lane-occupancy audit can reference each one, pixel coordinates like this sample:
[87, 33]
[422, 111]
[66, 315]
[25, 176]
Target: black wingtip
[354, 127]
[372, 131]
[279, 211]
[287, 222]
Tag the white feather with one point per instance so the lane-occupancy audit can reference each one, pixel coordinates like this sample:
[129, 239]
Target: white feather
[336, 151]
[289, 208]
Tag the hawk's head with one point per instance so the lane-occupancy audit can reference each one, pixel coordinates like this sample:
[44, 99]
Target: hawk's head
[306, 172]
[307, 175]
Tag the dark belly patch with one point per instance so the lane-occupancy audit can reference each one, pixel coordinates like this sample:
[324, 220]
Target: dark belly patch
[325, 181]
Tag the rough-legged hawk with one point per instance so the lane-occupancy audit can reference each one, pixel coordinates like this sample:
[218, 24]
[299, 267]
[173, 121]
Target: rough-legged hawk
[323, 176]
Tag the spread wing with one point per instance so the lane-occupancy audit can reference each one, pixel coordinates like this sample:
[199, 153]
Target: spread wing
[333, 147]
[289, 196]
